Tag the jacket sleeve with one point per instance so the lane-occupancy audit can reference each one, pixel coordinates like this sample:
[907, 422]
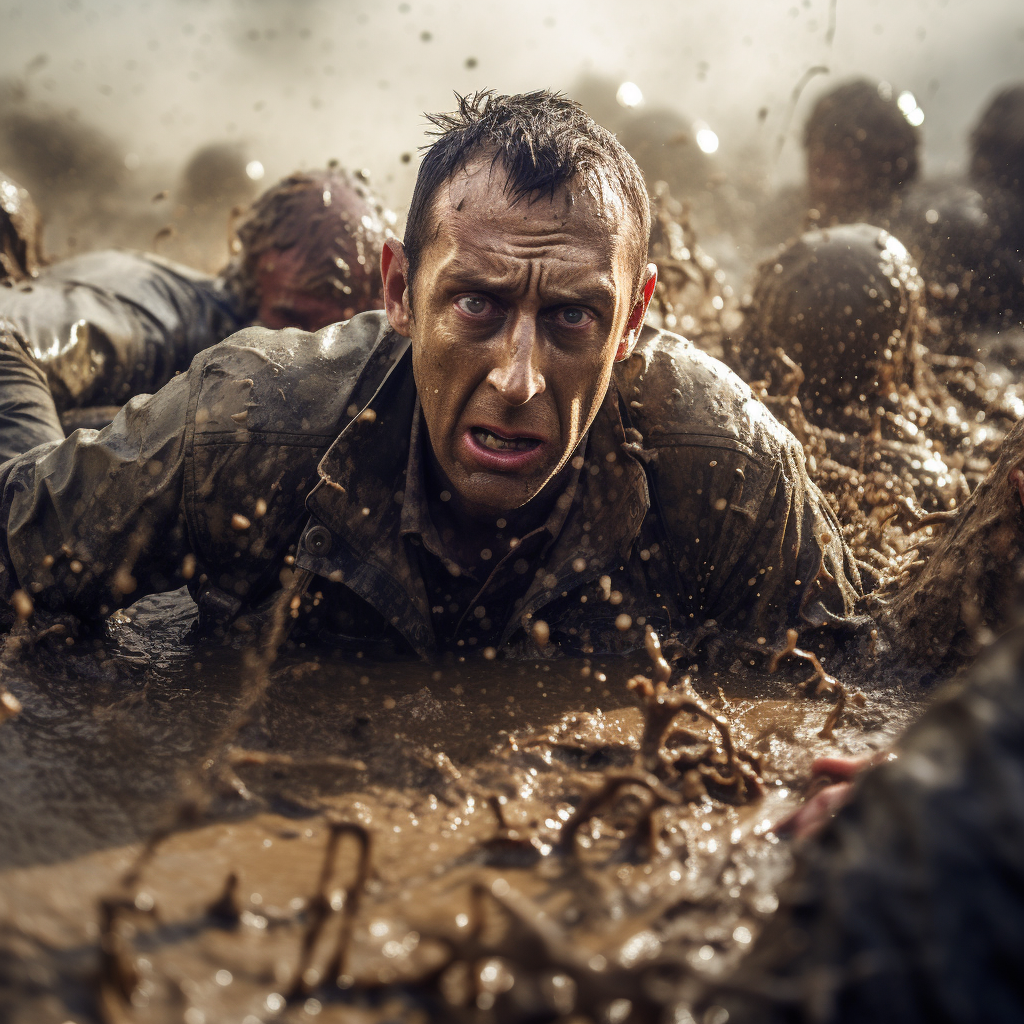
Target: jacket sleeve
[110, 325]
[95, 521]
[755, 545]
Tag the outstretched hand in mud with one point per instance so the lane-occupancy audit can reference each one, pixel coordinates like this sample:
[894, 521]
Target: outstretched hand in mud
[1017, 478]
[831, 786]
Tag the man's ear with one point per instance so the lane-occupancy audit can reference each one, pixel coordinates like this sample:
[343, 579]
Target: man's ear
[394, 271]
[636, 316]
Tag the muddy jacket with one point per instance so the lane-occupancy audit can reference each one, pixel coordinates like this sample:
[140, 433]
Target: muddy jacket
[109, 325]
[283, 453]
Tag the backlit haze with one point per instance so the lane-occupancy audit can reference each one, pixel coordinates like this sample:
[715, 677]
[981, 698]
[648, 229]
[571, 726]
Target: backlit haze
[297, 83]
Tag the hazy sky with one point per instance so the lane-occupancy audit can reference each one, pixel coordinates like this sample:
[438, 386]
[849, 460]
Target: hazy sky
[305, 80]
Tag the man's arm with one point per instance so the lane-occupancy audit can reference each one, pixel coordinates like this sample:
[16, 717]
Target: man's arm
[110, 325]
[95, 521]
[756, 537]
[755, 544]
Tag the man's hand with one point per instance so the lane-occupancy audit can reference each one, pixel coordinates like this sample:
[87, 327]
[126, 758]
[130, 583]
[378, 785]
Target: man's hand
[831, 784]
[1017, 477]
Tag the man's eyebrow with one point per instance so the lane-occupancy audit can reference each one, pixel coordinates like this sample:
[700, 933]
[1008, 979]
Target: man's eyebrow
[471, 278]
[595, 296]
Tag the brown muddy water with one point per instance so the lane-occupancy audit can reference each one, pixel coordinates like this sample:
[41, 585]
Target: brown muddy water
[478, 841]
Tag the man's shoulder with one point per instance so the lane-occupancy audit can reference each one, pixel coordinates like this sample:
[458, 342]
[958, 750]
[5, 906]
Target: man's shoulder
[678, 394]
[162, 289]
[108, 267]
[289, 382]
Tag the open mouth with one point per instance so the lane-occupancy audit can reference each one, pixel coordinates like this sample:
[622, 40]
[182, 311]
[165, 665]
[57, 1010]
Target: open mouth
[498, 443]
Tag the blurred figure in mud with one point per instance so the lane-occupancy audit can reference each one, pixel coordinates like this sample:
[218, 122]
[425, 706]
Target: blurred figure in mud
[75, 170]
[997, 143]
[95, 330]
[832, 342]
[967, 237]
[215, 177]
[997, 171]
[308, 252]
[662, 142]
[861, 155]
[862, 152]
[21, 232]
[214, 188]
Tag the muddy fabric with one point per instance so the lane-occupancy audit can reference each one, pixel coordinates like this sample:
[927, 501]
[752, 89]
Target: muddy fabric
[910, 907]
[109, 325]
[283, 447]
[27, 414]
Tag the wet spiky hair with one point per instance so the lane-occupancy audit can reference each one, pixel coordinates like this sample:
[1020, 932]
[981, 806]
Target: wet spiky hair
[545, 142]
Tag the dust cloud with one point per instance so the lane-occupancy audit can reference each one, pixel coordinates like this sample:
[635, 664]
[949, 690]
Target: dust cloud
[147, 84]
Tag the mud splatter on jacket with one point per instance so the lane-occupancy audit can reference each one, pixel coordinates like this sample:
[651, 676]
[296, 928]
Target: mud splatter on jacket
[280, 446]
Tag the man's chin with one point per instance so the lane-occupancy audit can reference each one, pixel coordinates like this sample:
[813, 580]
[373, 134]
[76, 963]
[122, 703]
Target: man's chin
[489, 498]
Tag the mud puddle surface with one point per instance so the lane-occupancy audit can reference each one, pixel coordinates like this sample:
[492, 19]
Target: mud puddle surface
[387, 841]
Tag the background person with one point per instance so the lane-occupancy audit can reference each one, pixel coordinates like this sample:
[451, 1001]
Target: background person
[103, 327]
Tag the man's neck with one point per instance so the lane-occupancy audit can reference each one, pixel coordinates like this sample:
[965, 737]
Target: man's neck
[478, 542]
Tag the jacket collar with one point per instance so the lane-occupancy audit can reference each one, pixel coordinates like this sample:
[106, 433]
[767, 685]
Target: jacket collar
[362, 489]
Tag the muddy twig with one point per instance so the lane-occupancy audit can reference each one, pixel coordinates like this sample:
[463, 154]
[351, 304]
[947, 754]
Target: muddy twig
[325, 906]
[191, 807]
[825, 682]
[533, 947]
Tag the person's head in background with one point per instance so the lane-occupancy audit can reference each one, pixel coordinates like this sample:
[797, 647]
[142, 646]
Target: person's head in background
[844, 305]
[997, 142]
[308, 251]
[861, 151]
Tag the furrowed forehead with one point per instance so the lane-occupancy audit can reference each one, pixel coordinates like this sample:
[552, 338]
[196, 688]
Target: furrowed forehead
[484, 177]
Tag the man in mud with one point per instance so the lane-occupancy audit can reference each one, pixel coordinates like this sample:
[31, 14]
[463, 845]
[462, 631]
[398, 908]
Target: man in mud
[997, 142]
[832, 337]
[861, 156]
[832, 344]
[861, 153]
[506, 458]
[967, 237]
[99, 328]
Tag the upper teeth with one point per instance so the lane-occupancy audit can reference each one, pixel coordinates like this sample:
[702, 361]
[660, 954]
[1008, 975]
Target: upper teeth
[503, 444]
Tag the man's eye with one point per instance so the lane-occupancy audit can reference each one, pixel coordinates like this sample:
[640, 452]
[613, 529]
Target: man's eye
[574, 316]
[474, 305]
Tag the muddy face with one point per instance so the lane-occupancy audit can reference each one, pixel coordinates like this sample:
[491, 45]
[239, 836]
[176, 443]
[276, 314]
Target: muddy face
[285, 302]
[519, 311]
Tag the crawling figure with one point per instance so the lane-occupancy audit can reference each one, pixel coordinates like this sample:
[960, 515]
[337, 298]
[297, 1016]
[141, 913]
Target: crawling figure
[832, 342]
[93, 331]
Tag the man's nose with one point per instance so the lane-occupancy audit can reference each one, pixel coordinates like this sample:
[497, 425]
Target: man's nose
[517, 377]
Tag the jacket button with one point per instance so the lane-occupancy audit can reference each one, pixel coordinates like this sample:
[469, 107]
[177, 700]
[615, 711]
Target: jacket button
[318, 540]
